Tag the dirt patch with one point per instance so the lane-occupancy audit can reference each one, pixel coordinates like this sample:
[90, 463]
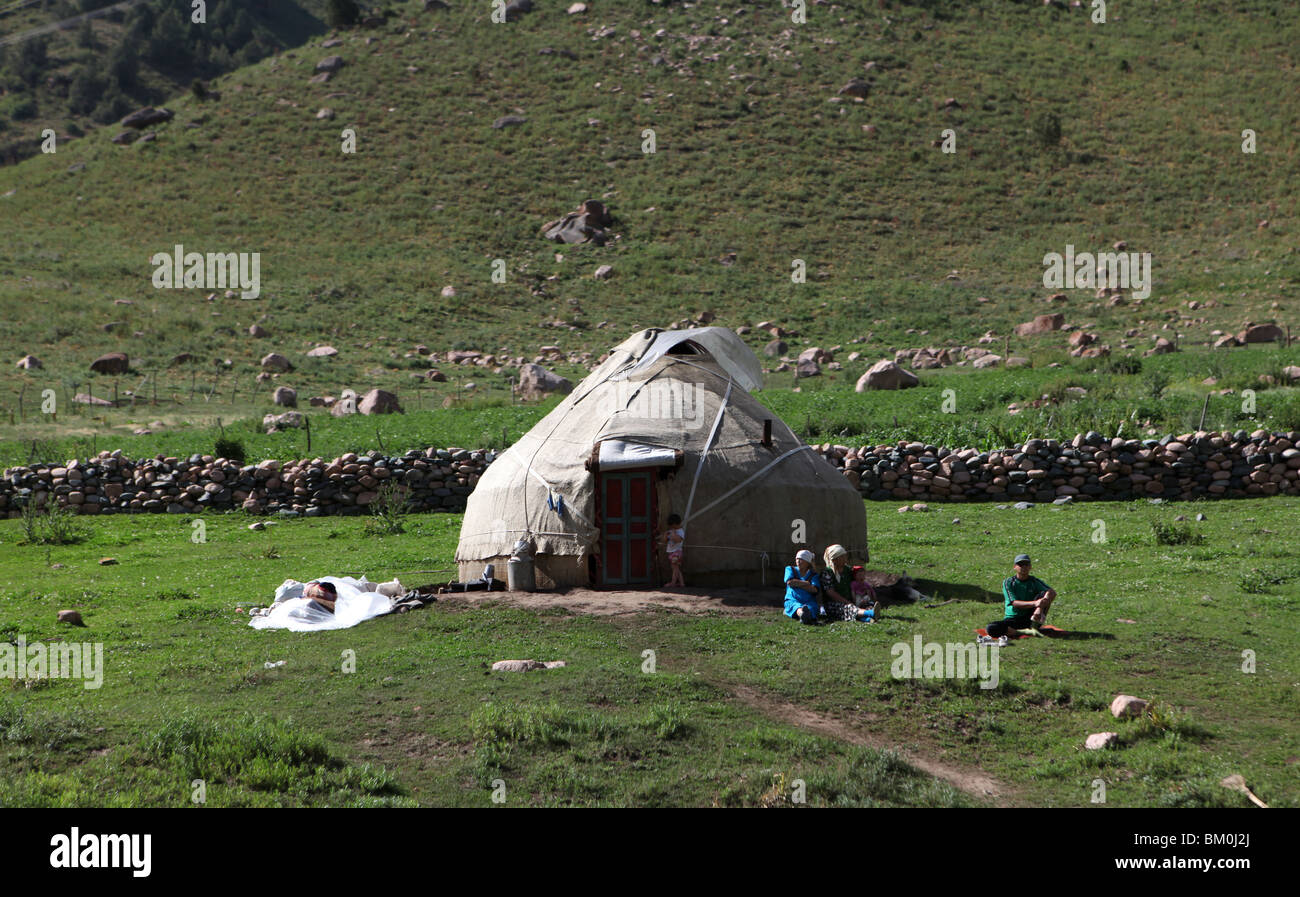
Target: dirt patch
[613, 603]
[971, 781]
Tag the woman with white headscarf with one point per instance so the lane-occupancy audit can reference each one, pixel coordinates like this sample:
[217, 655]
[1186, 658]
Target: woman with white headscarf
[837, 587]
[802, 589]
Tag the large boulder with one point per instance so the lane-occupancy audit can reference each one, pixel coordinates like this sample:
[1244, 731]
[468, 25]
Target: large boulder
[275, 422]
[286, 397]
[1041, 324]
[1127, 707]
[886, 374]
[587, 225]
[1162, 347]
[328, 64]
[536, 382]
[1261, 333]
[112, 363]
[345, 404]
[143, 118]
[276, 362]
[776, 348]
[379, 401]
[806, 367]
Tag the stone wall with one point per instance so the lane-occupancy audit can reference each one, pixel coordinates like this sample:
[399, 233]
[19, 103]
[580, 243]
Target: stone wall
[1090, 467]
[436, 480]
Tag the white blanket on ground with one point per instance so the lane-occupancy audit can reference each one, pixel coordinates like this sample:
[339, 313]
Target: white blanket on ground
[357, 601]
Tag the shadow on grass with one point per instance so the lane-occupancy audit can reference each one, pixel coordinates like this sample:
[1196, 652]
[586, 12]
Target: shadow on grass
[957, 591]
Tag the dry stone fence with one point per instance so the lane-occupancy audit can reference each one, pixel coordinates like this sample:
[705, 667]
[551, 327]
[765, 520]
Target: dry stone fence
[1091, 467]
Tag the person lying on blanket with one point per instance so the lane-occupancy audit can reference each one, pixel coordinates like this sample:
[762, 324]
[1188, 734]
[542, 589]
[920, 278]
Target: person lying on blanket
[1027, 599]
[323, 594]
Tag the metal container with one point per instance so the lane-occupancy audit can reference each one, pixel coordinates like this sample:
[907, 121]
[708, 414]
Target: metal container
[520, 576]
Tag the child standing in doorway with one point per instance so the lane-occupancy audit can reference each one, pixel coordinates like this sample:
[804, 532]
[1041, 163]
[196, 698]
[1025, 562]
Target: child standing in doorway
[675, 541]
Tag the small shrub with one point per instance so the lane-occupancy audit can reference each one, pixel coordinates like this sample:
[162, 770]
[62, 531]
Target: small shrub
[57, 526]
[1121, 365]
[1175, 534]
[389, 509]
[1046, 129]
[231, 450]
[1258, 582]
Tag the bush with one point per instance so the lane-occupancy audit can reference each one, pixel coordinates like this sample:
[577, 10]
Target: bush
[1175, 534]
[1046, 129]
[342, 13]
[389, 509]
[57, 526]
[231, 450]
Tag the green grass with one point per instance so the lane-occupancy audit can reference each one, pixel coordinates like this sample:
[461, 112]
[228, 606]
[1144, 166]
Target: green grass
[187, 695]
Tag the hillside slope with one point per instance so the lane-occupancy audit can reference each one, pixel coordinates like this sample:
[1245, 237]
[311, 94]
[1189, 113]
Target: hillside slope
[758, 162]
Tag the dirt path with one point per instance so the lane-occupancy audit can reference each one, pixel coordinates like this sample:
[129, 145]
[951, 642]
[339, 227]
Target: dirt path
[973, 782]
[739, 601]
[612, 603]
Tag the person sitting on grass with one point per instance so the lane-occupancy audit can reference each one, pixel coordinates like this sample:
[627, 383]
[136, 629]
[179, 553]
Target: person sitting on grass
[322, 594]
[837, 587]
[1027, 598]
[802, 589]
[864, 593]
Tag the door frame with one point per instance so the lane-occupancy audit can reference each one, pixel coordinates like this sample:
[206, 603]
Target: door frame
[652, 556]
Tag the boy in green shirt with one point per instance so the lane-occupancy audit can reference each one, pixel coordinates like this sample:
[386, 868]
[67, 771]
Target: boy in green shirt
[1027, 600]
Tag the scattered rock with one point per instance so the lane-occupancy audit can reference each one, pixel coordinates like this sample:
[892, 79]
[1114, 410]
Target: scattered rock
[1127, 707]
[1261, 333]
[856, 88]
[143, 118]
[1041, 324]
[286, 397]
[587, 225]
[886, 374]
[536, 382]
[526, 666]
[30, 363]
[1101, 740]
[507, 121]
[604, 272]
[276, 362]
[107, 562]
[112, 363]
[71, 617]
[379, 401]
[276, 422]
[322, 352]
[329, 64]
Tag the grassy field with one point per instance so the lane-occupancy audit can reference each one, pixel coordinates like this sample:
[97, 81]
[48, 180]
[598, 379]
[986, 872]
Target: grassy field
[739, 706]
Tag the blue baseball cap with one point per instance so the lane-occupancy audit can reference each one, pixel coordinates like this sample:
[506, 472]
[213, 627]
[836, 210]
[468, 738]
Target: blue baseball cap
[1022, 559]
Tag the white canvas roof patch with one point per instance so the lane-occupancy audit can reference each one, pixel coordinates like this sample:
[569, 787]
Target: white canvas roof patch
[617, 454]
[727, 349]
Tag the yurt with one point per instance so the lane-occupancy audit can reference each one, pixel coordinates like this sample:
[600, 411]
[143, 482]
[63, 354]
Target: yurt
[665, 425]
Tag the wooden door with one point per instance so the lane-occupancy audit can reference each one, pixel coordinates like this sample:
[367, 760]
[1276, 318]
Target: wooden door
[627, 527]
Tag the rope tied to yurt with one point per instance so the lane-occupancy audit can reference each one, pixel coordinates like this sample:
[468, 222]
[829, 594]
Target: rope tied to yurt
[708, 446]
[730, 492]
